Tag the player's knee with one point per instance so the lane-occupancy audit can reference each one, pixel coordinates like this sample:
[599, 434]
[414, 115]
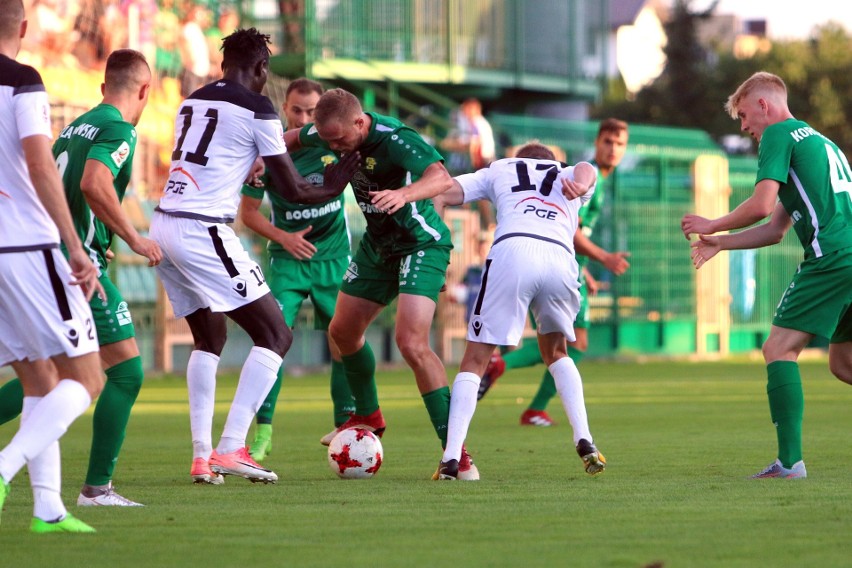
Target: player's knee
[842, 370]
[412, 347]
[211, 343]
[277, 340]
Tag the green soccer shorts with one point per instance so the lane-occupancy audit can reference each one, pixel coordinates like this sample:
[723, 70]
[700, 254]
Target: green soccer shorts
[819, 296]
[380, 280]
[113, 321]
[291, 281]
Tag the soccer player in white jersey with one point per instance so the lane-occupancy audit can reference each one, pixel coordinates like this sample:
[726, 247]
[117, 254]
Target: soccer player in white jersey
[46, 327]
[220, 130]
[531, 266]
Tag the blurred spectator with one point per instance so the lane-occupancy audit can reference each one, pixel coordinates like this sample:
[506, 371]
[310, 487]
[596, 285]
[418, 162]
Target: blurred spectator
[167, 61]
[195, 57]
[228, 22]
[51, 26]
[90, 48]
[114, 26]
[292, 17]
[141, 16]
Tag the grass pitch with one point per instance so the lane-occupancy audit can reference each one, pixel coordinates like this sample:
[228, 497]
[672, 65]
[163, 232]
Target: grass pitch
[680, 439]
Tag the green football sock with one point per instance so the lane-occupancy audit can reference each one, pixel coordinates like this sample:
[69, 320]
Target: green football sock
[527, 356]
[267, 409]
[787, 408]
[11, 400]
[575, 354]
[438, 406]
[112, 413]
[360, 370]
[341, 394]
[546, 391]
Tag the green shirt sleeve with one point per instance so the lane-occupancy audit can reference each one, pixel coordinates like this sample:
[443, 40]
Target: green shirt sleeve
[409, 150]
[114, 146]
[774, 154]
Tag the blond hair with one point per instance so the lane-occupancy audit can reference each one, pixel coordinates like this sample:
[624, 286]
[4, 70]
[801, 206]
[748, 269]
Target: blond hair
[762, 82]
[337, 105]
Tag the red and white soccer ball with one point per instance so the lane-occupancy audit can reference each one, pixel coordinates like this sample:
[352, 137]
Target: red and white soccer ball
[355, 453]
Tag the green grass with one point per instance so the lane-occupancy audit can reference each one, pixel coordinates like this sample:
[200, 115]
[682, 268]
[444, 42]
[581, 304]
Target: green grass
[680, 439]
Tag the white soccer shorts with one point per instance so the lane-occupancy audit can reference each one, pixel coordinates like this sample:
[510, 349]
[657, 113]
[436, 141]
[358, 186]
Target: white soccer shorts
[41, 315]
[523, 273]
[204, 266]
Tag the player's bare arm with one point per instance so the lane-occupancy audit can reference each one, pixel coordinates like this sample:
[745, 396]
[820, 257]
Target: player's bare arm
[294, 243]
[585, 177]
[708, 246]
[450, 198]
[615, 262]
[99, 192]
[287, 182]
[291, 140]
[434, 181]
[758, 206]
[48, 186]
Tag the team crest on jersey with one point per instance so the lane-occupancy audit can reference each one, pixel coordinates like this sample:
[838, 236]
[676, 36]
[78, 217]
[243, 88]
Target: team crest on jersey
[120, 156]
[351, 272]
[328, 159]
[314, 179]
[476, 324]
[371, 164]
[122, 314]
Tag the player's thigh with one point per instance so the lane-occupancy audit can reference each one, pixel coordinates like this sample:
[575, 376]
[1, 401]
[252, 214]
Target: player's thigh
[818, 297]
[210, 266]
[114, 324]
[85, 369]
[352, 316]
[476, 357]
[557, 302]
[370, 277]
[41, 315]
[290, 283]
[325, 284]
[424, 272]
[499, 314]
[37, 377]
[785, 344]
[552, 347]
[414, 315]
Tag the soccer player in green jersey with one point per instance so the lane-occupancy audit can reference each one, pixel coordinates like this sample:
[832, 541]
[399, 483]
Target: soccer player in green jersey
[309, 251]
[610, 146]
[95, 155]
[803, 181]
[404, 253]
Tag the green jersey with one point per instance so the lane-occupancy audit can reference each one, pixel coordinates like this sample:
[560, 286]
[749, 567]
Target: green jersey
[816, 184]
[393, 156]
[100, 134]
[329, 232]
[590, 212]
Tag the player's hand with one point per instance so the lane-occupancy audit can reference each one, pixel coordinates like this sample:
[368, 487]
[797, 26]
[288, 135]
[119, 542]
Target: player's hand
[705, 248]
[296, 244]
[388, 200]
[572, 190]
[149, 249]
[695, 225]
[109, 255]
[616, 262]
[257, 169]
[592, 285]
[85, 274]
[336, 176]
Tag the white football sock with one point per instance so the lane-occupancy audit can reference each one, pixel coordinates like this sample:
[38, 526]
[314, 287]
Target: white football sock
[46, 422]
[569, 384]
[45, 474]
[201, 386]
[462, 407]
[256, 379]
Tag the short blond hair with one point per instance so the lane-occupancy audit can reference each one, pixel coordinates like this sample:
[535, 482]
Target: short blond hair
[760, 81]
[337, 105]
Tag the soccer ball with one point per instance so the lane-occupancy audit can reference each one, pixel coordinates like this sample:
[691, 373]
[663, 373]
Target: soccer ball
[355, 453]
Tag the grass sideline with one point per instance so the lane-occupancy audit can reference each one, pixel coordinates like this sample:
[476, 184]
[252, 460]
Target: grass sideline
[680, 439]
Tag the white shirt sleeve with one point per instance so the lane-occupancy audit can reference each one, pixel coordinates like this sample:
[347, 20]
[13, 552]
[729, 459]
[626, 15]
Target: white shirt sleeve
[269, 137]
[568, 173]
[32, 114]
[476, 185]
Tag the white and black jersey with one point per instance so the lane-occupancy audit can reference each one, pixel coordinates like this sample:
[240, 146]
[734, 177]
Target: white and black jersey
[531, 265]
[24, 112]
[219, 132]
[528, 196]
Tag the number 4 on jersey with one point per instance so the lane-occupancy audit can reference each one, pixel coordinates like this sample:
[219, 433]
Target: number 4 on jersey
[841, 177]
